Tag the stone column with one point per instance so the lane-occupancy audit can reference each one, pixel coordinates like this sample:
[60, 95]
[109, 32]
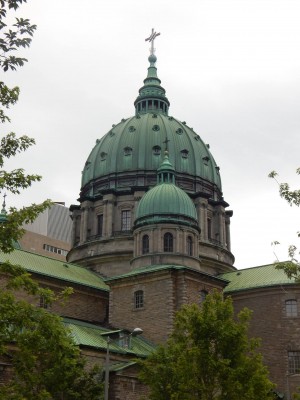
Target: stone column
[227, 230]
[108, 202]
[177, 238]
[109, 213]
[159, 241]
[84, 223]
[221, 225]
[73, 233]
[203, 220]
[184, 242]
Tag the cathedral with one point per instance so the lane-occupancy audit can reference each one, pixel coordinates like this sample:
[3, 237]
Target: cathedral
[151, 233]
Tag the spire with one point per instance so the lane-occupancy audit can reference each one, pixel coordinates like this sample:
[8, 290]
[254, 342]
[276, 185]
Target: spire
[3, 211]
[3, 214]
[152, 96]
[166, 171]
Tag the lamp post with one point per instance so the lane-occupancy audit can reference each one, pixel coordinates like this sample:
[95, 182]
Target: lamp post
[135, 332]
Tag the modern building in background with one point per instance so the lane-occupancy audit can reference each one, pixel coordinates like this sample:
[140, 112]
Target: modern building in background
[50, 233]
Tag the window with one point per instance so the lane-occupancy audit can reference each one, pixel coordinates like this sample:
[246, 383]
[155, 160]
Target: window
[145, 244]
[127, 151]
[103, 155]
[189, 245]
[44, 304]
[203, 294]
[184, 153]
[126, 220]
[124, 340]
[291, 308]
[100, 224]
[294, 362]
[53, 249]
[138, 299]
[168, 242]
[209, 228]
[156, 150]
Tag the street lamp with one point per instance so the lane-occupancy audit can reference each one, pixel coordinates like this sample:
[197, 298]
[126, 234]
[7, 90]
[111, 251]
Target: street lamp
[135, 332]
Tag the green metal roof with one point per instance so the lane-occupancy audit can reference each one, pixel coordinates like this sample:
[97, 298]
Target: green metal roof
[152, 90]
[161, 267]
[166, 199]
[54, 268]
[256, 277]
[116, 367]
[135, 144]
[85, 334]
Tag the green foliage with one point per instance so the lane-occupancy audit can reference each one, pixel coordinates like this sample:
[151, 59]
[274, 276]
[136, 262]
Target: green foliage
[292, 266]
[208, 357]
[12, 38]
[46, 363]
[291, 196]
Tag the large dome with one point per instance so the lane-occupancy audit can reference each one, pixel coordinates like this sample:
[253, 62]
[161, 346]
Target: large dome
[129, 154]
[136, 144]
[128, 191]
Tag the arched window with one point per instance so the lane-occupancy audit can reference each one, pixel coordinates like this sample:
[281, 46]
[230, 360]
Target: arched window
[145, 244]
[209, 229]
[168, 242]
[291, 308]
[100, 224]
[203, 294]
[138, 299]
[126, 220]
[189, 245]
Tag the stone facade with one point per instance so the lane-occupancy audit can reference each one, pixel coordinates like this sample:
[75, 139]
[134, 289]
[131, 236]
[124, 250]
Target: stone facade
[110, 251]
[279, 331]
[85, 303]
[164, 291]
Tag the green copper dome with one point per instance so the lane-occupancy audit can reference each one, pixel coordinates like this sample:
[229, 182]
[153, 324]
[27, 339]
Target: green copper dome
[129, 155]
[166, 202]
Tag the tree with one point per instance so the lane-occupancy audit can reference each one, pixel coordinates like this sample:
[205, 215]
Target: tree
[292, 266]
[12, 38]
[208, 357]
[46, 364]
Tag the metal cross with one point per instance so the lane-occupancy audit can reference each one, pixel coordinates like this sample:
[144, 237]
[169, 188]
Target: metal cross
[151, 39]
[166, 142]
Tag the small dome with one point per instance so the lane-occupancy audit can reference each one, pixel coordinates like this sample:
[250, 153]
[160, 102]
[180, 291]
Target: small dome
[166, 202]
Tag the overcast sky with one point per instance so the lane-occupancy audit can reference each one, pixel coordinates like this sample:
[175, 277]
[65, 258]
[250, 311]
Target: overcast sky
[231, 70]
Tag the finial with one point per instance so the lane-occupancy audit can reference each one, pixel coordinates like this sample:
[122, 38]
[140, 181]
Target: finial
[151, 39]
[3, 211]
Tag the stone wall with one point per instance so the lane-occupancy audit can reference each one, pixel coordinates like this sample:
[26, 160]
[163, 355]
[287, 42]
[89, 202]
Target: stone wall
[85, 303]
[165, 292]
[279, 333]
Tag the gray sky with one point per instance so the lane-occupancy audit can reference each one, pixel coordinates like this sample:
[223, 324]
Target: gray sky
[231, 69]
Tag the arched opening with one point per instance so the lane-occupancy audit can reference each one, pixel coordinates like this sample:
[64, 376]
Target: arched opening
[168, 242]
[145, 244]
[189, 245]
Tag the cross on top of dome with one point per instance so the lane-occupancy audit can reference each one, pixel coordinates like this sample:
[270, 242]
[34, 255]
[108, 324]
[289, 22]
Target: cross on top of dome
[151, 39]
